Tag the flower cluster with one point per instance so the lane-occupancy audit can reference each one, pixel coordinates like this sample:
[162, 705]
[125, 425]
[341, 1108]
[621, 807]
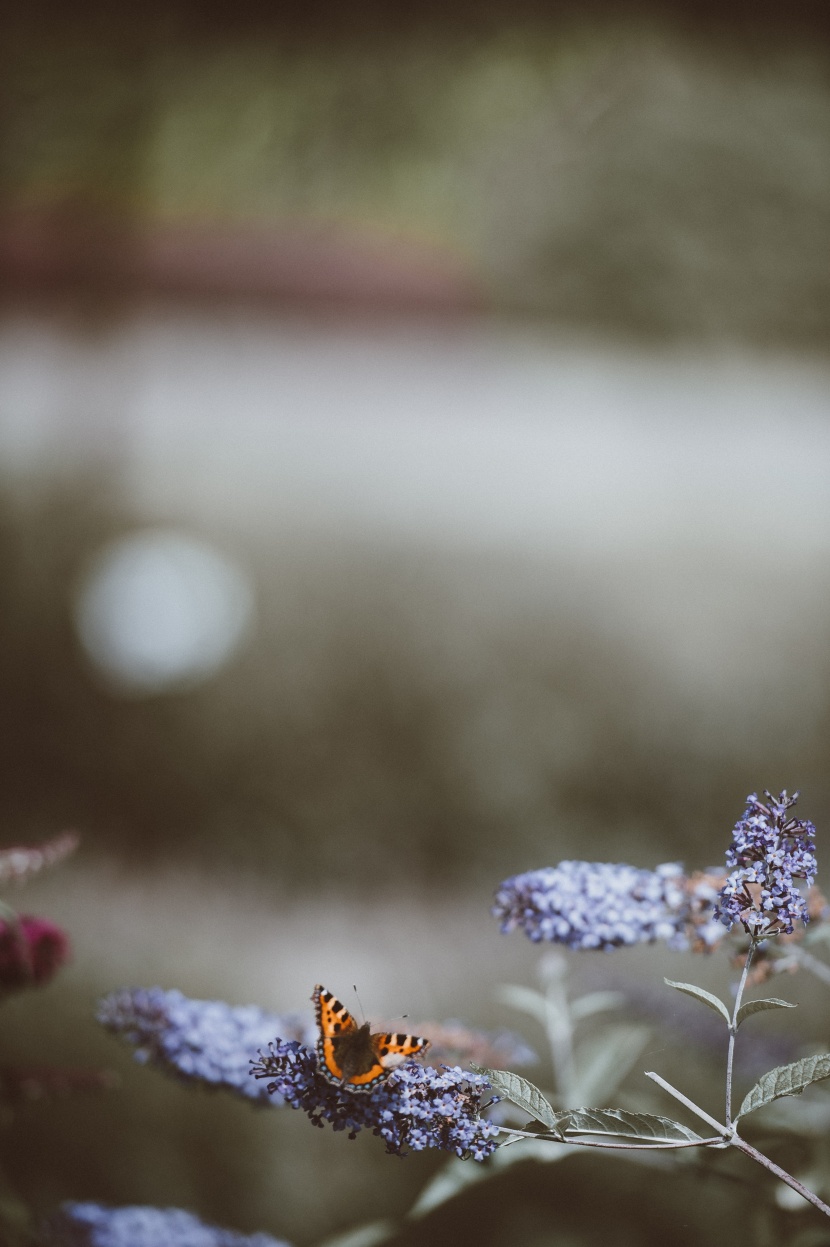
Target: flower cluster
[31, 951]
[769, 851]
[704, 931]
[91, 1225]
[415, 1107]
[201, 1041]
[588, 905]
[452, 1042]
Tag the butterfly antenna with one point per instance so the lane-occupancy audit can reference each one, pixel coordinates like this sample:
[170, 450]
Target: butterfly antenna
[359, 1001]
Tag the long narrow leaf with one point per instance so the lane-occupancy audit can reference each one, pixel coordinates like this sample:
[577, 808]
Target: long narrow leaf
[758, 1006]
[604, 1060]
[786, 1080]
[689, 989]
[645, 1127]
[545, 1151]
[525, 999]
[595, 1002]
[456, 1176]
[371, 1235]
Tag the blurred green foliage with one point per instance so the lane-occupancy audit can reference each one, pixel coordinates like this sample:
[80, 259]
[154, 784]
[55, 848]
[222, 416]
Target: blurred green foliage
[620, 170]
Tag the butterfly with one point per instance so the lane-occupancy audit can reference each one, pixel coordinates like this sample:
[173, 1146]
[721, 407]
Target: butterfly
[351, 1056]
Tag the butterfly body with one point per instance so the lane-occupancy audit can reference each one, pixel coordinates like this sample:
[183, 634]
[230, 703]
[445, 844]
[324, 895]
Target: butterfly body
[354, 1056]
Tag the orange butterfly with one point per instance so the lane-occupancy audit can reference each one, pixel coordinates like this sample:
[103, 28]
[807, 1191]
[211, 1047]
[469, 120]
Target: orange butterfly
[351, 1056]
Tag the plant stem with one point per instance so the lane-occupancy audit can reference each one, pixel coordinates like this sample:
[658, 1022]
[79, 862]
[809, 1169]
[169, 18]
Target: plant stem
[814, 964]
[803, 1191]
[621, 1147]
[690, 1104]
[554, 971]
[733, 1139]
[733, 1031]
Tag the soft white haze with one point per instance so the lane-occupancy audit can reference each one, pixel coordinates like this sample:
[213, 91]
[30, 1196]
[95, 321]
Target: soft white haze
[689, 493]
[474, 435]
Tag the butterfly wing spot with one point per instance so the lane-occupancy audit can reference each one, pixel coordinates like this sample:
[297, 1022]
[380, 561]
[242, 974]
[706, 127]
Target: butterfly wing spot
[333, 1018]
[369, 1078]
[335, 1024]
[327, 1061]
[393, 1050]
[348, 1054]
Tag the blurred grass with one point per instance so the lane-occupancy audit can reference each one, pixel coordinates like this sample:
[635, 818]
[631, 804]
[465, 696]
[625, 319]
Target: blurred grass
[631, 174]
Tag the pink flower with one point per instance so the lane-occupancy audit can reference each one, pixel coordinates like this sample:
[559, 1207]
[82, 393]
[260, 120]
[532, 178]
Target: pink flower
[31, 951]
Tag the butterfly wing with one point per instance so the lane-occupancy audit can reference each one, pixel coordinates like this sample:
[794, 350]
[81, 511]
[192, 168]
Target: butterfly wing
[365, 1079]
[393, 1050]
[334, 1021]
[348, 1055]
[373, 1057]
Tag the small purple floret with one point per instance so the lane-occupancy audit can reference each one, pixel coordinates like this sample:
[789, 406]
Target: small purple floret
[596, 905]
[92, 1225]
[201, 1041]
[416, 1107]
[769, 851]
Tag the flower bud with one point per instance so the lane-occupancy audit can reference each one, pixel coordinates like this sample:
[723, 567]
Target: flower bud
[31, 951]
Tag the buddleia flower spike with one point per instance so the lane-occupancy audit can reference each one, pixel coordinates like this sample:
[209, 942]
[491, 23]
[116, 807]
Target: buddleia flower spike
[770, 851]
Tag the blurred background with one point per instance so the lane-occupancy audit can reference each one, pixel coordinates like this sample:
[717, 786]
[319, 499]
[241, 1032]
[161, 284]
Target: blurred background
[414, 457]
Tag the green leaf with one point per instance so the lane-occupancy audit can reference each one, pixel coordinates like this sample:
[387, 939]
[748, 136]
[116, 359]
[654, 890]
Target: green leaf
[525, 999]
[523, 1094]
[646, 1127]
[371, 1235]
[604, 1060]
[544, 1151]
[689, 989]
[786, 1080]
[595, 1002]
[456, 1176]
[758, 1006]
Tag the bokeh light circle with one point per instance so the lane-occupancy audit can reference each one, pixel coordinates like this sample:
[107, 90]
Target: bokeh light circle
[159, 609]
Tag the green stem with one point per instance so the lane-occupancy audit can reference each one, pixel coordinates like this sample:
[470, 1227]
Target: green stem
[559, 1028]
[803, 1191]
[732, 1139]
[814, 964]
[733, 1031]
[690, 1104]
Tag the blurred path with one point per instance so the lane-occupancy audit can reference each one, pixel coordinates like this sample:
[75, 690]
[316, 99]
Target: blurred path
[684, 497]
[476, 435]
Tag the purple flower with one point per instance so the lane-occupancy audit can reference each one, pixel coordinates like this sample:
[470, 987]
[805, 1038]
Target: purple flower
[91, 1225]
[590, 905]
[415, 1107]
[202, 1041]
[769, 851]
